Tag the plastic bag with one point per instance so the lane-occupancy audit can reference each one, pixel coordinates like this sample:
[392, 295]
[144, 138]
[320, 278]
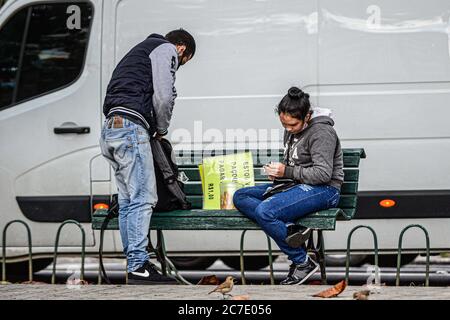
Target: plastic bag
[222, 175]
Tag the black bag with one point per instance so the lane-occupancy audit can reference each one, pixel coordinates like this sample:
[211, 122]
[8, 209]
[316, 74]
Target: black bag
[169, 186]
[170, 189]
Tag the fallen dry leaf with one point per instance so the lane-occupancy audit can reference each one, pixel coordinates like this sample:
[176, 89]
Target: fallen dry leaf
[333, 291]
[361, 295]
[241, 297]
[33, 282]
[209, 280]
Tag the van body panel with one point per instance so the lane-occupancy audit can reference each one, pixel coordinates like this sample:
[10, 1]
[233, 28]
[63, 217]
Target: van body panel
[40, 162]
[383, 67]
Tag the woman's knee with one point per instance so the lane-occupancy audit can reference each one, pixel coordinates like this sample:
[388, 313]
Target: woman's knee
[239, 195]
[265, 212]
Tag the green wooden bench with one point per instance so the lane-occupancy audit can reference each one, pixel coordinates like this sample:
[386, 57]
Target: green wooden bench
[198, 219]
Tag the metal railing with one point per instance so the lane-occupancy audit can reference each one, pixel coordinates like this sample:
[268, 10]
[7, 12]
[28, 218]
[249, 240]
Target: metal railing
[399, 254]
[30, 252]
[83, 247]
[375, 244]
[167, 265]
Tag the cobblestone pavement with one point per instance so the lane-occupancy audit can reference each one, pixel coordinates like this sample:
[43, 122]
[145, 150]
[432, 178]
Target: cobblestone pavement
[196, 292]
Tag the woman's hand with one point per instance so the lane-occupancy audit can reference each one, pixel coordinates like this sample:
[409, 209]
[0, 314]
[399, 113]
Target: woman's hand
[275, 169]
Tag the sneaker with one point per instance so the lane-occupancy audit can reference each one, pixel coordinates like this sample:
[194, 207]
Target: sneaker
[299, 273]
[147, 274]
[297, 235]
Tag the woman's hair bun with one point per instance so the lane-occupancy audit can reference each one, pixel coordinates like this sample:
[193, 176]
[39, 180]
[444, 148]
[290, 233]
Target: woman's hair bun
[295, 103]
[297, 93]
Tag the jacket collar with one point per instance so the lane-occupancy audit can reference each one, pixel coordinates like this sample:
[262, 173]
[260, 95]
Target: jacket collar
[320, 119]
[155, 35]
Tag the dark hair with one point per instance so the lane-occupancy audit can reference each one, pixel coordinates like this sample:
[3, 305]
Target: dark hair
[295, 103]
[182, 37]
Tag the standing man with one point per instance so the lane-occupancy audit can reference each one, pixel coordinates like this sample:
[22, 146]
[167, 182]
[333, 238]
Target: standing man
[138, 105]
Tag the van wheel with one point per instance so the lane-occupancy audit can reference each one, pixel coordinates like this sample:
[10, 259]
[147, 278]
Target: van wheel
[18, 271]
[193, 263]
[390, 260]
[250, 262]
[339, 260]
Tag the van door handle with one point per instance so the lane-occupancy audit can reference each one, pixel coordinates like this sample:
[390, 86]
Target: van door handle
[78, 130]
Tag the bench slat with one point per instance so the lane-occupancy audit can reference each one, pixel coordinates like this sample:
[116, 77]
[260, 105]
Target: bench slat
[348, 201]
[193, 175]
[258, 155]
[351, 175]
[349, 188]
[195, 188]
[348, 214]
[346, 151]
[351, 161]
[216, 220]
[345, 201]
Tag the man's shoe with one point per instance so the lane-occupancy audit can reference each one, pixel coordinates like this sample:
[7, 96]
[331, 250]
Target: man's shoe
[148, 275]
[297, 235]
[299, 273]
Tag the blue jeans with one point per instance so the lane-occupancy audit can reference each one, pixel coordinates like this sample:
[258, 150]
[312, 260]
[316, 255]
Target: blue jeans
[129, 152]
[274, 213]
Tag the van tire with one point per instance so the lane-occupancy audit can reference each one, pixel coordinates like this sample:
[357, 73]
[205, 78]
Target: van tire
[193, 263]
[335, 260]
[18, 271]
[390, 260]
[251, 263]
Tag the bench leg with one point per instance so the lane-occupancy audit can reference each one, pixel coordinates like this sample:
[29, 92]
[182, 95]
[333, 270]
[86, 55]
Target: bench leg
[160, 254]
[167, 266]
[321, 251]
[100, 259]
[101, 268]
[269, 247]
[158, 250]
[241, 257]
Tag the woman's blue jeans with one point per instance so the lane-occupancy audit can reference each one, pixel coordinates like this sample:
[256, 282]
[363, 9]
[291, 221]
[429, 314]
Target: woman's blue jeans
[276, 212]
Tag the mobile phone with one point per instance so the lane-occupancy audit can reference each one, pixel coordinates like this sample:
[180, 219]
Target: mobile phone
[263, 171]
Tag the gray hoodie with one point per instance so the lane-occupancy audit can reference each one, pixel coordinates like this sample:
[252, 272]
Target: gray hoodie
[314, 156]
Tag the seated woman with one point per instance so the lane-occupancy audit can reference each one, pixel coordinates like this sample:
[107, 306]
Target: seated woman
[313, 162]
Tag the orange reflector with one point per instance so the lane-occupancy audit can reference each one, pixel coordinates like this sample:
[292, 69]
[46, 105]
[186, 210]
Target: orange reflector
[100, 206]
[387, 203]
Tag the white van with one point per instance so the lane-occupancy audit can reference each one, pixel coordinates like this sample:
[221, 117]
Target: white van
[382, 66]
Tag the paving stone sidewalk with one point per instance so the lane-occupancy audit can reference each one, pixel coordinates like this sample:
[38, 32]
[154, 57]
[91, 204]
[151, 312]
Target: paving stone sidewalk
[196, 292]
